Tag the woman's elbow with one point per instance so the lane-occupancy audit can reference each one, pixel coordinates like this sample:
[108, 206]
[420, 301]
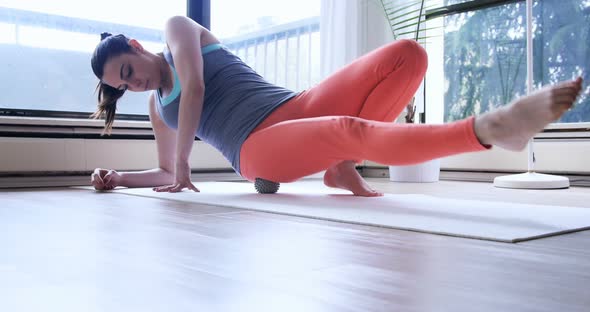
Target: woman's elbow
[196, 88]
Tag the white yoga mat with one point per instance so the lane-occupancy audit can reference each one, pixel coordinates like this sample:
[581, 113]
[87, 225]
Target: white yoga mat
[496, 221]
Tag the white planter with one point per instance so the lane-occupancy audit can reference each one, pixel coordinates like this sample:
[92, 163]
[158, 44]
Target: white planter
[424, 172]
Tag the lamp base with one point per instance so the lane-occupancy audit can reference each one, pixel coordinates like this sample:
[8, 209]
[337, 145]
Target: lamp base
[532, 180]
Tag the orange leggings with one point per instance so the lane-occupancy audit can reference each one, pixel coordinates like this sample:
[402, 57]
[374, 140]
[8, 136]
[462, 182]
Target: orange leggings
[348, 116]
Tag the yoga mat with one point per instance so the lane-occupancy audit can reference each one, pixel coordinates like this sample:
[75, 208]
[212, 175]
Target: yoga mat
[487, 220]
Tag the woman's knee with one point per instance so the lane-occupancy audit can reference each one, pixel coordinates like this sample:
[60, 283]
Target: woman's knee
[411, 50]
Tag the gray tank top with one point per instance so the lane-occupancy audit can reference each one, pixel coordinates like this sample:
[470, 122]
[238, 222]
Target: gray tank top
[237, 99]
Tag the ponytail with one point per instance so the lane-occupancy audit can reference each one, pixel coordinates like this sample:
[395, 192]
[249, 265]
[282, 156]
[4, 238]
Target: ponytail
[109, 46]
[107, 105]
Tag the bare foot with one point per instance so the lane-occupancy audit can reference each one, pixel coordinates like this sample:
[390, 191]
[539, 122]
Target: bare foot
[344, 175]
[511, 127]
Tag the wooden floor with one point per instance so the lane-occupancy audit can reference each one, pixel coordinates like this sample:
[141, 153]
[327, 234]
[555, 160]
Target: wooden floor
[76, 250]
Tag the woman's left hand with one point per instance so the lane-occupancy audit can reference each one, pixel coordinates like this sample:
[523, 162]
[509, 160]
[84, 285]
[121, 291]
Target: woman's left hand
[182, 180]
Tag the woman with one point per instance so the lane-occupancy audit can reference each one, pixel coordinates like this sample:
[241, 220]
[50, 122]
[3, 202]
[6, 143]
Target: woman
[265, 131]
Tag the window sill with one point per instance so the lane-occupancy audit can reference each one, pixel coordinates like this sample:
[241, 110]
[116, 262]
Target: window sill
[71, 128]
[69, 122]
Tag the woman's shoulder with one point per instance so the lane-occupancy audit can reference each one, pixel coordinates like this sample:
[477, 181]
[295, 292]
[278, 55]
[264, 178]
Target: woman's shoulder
[181, 25]
[180, 20]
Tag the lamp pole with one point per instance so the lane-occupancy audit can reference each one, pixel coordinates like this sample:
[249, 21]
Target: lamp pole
[531, 179]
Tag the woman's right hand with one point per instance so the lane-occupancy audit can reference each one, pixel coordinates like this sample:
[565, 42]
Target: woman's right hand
[105, 179]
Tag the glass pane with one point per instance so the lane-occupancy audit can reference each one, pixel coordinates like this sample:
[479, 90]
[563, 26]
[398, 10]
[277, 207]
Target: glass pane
[484, 59]
[562, 50]
[485, 55]
[280, 39]
[46, 46]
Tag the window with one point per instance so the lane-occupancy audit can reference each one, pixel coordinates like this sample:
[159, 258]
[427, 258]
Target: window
[485, 55]
[279, 39]
[46, 46]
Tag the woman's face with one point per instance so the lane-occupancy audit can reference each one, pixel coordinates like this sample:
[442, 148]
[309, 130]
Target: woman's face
[136, 71]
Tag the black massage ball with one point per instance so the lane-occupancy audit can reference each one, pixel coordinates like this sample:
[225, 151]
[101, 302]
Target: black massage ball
[266, 187]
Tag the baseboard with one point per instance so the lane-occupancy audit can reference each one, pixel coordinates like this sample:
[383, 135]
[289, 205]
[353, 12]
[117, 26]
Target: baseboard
[473, 176]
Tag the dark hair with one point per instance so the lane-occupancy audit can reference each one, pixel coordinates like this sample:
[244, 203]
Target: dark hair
[109, 46]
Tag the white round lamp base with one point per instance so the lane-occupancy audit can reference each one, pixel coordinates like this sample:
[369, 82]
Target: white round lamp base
[532, 180]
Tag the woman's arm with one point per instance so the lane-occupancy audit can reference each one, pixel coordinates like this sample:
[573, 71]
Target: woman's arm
[184, 41]
[166, 145]
[146, 178]
[105, 179]
[183, 37]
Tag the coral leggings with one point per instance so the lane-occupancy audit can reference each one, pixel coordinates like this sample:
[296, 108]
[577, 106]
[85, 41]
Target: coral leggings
[348, 116]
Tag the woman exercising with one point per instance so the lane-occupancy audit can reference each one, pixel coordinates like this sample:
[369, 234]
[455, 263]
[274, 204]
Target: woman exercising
[200, 88]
